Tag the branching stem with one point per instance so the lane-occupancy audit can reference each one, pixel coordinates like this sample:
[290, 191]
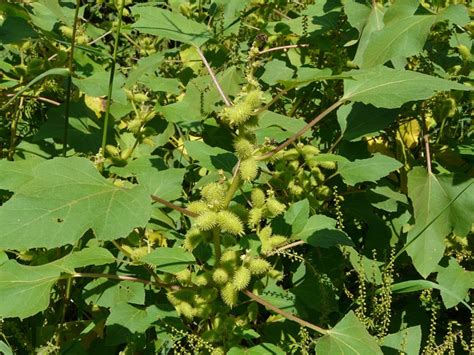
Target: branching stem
[301, 131]
[285, 314]
[173, 206]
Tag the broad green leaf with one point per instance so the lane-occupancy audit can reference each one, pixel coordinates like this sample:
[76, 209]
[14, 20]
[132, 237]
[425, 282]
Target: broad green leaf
[87, 256]
[47, 13]
[97, 84]
[170, 260]
[455, 279]
[145, 66]
[262, 349]
[390, 88]
[419, 285]
[402, 38]
[276, 71]
[297, 215]
[279, 127]
[358, 120]
[174, 26]
[279, 297]
[65, 198]
[430, 195]
[5, 349]
[357, 14]
[135, 319]
[211, 157]
[371, 169]
[106, 293]
[407, 341]
[25, 290]
[373, 23]
[348, 337]
[400, 9]
[321, 231]
[15, 29]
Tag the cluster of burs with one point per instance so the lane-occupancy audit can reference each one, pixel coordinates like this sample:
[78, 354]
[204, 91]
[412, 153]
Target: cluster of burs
[234, 270]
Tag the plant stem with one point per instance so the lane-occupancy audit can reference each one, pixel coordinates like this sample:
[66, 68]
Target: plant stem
[301, 131]
[234, 186]
[69, 78]
[214, 79]
[285, 314]
[268, 50]
[15, 120]
[111, 78]
[173, 206]
[110, 276]
[216, 238]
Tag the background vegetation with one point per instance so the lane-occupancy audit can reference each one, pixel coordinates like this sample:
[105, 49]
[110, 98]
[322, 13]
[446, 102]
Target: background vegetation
[241, 177]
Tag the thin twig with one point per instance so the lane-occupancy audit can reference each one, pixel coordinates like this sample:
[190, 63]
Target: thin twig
[272, 101]
[214, 79]
[289, 46]
[173, 206]
[69, 78]
[111, 276]
[426, 137]
[301, 131]
[288, 246]
[285, 314]
[40, 98]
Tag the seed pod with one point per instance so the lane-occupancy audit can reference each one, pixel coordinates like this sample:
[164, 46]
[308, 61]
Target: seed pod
[255, 216]
[277, 240]
[274, 207]
[243, 148]
[310, 150]
[318, 175]
[330, 165]
[323, 192]
[203, 279]
[294, 188]
[464, 52]
[206, 221]
[230, 256]
[229, 294]
[258, 266]
[214, 194]
[265, 233]
[254, 98]
[257, 197]
[275, 274]
[198, 207]
[186, 310]
[66, 31]
[241, 278]
[238, 114]
[290, 154]
[192, 239]
[230, 223]
[112, 150]
[183, 277]
[248, 169]
[220, 276]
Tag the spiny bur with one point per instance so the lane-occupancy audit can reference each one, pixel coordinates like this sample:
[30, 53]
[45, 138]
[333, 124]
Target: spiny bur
[258, 266]
[206, 221]
[257, 197]
[243, 148]
[198, 207]
[241, 278]
[214, 195]
[255, 216]
[275, 207]
[230, 223]
[229, 294]
[220, 276]
[248, 169]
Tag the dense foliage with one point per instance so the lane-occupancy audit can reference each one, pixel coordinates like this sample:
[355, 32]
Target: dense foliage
[236, 176]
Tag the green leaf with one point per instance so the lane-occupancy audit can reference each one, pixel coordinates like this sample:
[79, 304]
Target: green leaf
[371, 169]
[172, 260]
[430, 195]
[25, 290]
[348, 337]
[358, 120]
[373, 23]
[16, 29]
[455, 279]
[321, 231]
[419, 285]
[63, 199]
[106, 293]
[5, 349]
[174, 26]
[211, 157]
[262, 349]
[390, 88]
[407, 341]
[87, 256]
[135, 319]
[297, 215]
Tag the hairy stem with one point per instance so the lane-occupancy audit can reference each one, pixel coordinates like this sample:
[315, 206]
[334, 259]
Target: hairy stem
[285, 314]
[173, 206]
[111, 78]
[110, 276]
[301, 131]
[268, 50]
[69, 77]
[15, 120]
[213, 76]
